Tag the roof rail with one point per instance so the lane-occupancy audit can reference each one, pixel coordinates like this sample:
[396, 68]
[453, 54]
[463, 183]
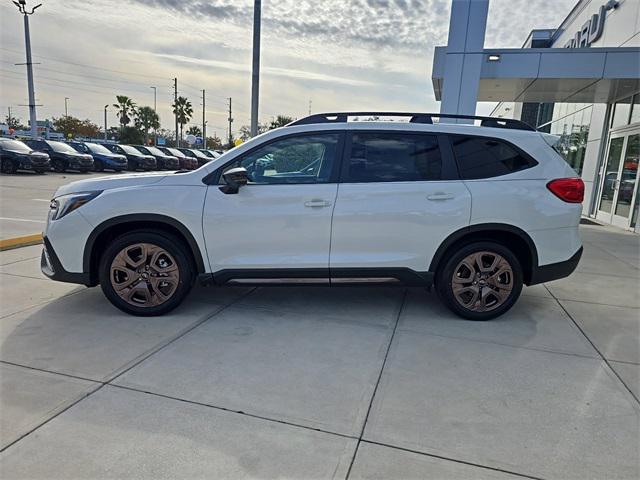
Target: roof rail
[414, 117]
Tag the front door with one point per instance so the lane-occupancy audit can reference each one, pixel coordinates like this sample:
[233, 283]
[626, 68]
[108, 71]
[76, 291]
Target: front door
[279, 224]
[619, 187]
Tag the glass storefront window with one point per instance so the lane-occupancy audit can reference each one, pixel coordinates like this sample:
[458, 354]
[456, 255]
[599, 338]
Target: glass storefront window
[621, 112]
[573, 130]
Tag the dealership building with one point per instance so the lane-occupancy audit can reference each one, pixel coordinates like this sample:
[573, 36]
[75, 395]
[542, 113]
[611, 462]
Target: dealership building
[580, 81]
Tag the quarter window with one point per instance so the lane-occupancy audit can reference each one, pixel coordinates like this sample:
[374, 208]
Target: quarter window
[394, 157]
[482, 157]
[293, 160]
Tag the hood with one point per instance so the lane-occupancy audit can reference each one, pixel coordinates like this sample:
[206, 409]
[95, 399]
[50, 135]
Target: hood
[111, 182]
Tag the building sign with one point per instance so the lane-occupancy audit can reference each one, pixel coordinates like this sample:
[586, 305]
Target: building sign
[592, 30]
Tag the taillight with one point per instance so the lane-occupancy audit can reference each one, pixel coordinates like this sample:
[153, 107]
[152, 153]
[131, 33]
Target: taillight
[570, 190]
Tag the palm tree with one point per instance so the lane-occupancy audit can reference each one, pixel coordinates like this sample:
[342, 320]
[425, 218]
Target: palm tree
[183, 110]
[126, 109]
[194, 130]
[146, 119]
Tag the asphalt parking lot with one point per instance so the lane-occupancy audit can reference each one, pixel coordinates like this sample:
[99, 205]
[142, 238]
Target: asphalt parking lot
[25, 198]
[324, 383]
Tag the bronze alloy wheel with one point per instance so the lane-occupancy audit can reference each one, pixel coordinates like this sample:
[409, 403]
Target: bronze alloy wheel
[482, 281]
[144, 275]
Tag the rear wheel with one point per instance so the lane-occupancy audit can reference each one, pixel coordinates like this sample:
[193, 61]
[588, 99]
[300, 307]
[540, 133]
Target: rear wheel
[146, 273]
[480, 281]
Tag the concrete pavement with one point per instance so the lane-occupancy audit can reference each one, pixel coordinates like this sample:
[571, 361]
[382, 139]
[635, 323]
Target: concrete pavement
[324, 383]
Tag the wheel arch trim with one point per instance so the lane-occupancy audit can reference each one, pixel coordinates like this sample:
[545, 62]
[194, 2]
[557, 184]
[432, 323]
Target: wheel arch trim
[142, 217]
[488, 228]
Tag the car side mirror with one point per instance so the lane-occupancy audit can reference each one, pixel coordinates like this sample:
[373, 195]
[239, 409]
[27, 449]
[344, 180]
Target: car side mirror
[234, 179]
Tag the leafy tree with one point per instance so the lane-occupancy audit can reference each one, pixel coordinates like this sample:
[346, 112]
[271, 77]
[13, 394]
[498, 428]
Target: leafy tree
[214, 143]
[147, 119]
[74, 127]
[183, 110]
[194, 130]
[245, 131]
[131, 135]
[126, 109]
[280, 121]
[14, 122]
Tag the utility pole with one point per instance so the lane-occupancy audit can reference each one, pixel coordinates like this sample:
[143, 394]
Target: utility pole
[204, 123]
[309, 106]
[9, 117]
[175, 106]
[66, 107]
[255, 70]
[155, 109]
[105, 122]
[33, 119]
[230, 119]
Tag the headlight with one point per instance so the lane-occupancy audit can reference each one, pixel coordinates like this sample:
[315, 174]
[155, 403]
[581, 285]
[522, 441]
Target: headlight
[64, 204]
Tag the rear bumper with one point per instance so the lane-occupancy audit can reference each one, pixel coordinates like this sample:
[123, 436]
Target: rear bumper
[51, 267]
[555, 271]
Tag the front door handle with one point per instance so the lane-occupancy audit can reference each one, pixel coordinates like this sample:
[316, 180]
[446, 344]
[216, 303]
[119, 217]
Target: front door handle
[440, 196]
[317, 203]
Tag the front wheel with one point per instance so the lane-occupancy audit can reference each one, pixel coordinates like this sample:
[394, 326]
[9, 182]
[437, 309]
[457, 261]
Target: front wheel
[146, 273]
[98, 166]
[9, 166]
[480, 281]
[59, 166]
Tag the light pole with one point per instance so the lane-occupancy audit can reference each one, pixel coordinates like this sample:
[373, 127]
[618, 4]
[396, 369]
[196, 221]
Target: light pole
[105, 121]
[155, 109]
[255, 70]
[66, 107]
[22, 7]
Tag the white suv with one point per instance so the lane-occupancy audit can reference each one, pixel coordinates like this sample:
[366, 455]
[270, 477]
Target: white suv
[474, 210]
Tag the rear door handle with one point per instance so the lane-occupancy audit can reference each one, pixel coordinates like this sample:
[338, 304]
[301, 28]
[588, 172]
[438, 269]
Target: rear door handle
[317, 203]
[440, 196]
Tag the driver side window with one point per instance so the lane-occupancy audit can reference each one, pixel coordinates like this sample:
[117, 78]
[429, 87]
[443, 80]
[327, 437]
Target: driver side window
[293, 160]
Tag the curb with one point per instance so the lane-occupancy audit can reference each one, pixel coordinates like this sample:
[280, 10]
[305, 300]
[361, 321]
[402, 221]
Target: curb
[17, 242]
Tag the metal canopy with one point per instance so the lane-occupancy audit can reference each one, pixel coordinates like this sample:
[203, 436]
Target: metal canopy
[580, 75]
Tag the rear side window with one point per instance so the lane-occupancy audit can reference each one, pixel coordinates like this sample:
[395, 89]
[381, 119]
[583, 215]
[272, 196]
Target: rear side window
[394, 157]
[483, 157]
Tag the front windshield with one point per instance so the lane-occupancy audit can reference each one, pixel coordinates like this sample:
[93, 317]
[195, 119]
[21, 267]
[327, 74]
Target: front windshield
[15, 145]
[62, 147]
[175, 152]
[97, 148]
[155, 151]
[199, 154]
[129, 149]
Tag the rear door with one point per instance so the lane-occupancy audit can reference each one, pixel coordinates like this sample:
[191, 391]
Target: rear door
[399, 197]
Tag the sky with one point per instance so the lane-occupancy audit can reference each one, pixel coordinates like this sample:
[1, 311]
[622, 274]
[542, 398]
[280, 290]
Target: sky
[323, 55]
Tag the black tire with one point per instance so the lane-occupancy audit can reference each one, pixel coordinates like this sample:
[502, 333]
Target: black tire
[98, 166]
[58, 166]
[39, 171]
[445, 284]
[132, 166]
[9, 166]
[167, 242]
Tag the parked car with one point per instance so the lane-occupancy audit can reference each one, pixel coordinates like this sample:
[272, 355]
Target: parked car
[212, 154]
[136, 160]
[102, 157]
[163, 161]
[63, 157]
[16, 155]
[342, 202]
[200, 157]
[186, 163]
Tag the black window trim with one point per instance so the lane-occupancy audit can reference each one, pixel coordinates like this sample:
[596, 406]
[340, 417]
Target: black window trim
[533, 162]
[449, 170]
[213, 178]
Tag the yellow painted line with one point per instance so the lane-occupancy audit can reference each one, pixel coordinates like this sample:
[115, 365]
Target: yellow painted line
[17, 242]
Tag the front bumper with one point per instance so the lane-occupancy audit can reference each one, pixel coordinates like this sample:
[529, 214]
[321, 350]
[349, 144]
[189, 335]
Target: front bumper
[52, 268]
[555, 271]
[80, 164]
[29, 163]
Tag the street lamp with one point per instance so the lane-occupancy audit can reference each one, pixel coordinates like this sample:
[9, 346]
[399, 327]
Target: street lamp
[155, 109]
[66, 108]
[105, 121]
[22, 8]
